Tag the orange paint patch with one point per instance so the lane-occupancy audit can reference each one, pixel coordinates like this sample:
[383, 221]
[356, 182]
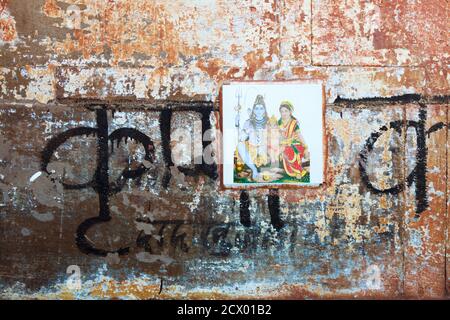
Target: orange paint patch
[3, 4]
[116, 29]
[212, 67]
[400, 32]
[114, 290]
[7, 29]
[255, 60]
[51, 9]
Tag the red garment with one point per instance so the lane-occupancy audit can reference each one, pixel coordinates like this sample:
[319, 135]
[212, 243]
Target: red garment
[293, 154]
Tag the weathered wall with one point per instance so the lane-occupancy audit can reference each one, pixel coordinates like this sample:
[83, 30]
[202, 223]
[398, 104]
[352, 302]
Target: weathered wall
[158, 65]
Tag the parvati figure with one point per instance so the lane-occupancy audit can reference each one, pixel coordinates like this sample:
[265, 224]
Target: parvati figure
[293, 146]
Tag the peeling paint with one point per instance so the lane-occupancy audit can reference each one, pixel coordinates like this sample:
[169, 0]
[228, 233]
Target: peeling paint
[157, 66]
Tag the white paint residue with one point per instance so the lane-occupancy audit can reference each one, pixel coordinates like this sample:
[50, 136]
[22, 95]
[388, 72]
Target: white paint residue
[35, 176]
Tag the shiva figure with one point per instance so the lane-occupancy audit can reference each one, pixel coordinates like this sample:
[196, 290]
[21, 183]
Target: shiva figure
[294, 149]
[252, 144]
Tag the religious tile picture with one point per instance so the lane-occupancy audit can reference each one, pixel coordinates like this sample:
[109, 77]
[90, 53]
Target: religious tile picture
[273, 133]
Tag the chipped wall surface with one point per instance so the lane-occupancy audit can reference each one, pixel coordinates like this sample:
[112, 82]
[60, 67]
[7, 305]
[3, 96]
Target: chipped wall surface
[92, 205]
